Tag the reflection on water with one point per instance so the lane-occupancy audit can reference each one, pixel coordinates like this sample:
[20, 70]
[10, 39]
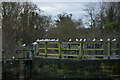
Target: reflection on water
[42, 69]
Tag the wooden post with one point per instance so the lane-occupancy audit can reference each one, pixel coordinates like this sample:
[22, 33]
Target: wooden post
[108, 50]
[33, 54]
[59, 44]
[45, 49]
[27, 57]
[80, 50]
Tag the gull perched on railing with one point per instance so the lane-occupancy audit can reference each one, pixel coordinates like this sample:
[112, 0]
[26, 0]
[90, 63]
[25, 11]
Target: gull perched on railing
[101, 39]
[108, 39]
[80, 39]
[94, 39]
[24, 45]
[34, 43]
[52, 40]
[76, 39]
[13, 57]
[46, 40]
[84, 40]
[57, 40]
[114, 40]
[70, 39]
[42, 40]
[37, 40]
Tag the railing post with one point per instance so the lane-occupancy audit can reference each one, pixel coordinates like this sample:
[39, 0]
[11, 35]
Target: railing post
[34, 50]
[15, 54]
[80, 50]
[45, 49]
[28, 56]
[33, 54]
[37, 47]
[59, 44]
[108, 50]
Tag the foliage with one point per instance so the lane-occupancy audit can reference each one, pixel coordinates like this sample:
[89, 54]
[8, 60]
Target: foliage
[104, 20]
[65, 28]
[111, 14]
[22, 24]
[111, 27]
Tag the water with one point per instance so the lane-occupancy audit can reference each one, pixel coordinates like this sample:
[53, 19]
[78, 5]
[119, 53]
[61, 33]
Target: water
[56, 68]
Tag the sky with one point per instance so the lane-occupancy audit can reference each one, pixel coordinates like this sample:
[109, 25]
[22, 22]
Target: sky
[75, 8]
[55, 8]
[58, 0]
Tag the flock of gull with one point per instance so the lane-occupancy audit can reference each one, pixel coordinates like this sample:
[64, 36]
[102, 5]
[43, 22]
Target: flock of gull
[45, 40]
[56, 40]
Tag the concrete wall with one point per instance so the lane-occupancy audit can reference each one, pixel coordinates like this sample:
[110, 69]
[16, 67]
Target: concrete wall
[75, 68]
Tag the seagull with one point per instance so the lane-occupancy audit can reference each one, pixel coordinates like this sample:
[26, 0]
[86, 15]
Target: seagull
[84, 40]
[46, 39]
[52, 39]
[70, 39]
[13, 57]
[42, 40]
[38, 40]
[108, 39]
[24, 45]
[57, 40]
[80, 39]
[101, 39]
[94, 39]
[34, 43]
[114, 40]
[49, 39]
[76, 39]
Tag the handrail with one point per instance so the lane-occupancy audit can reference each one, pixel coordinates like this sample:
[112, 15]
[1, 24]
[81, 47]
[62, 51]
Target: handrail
[80, 49]
[23, 50]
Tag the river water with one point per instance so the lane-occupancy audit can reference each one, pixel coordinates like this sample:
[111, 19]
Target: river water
[56, 68]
